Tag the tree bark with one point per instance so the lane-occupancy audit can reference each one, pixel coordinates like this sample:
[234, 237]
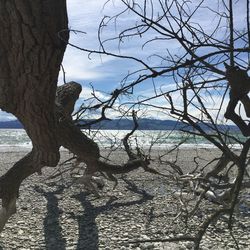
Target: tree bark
[31, 53]
[30, 56]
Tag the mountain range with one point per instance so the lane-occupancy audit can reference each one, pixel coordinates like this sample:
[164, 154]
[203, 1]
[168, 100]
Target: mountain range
[126, 124]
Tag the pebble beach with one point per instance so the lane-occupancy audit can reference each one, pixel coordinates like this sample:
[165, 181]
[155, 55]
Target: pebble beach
[137, 214]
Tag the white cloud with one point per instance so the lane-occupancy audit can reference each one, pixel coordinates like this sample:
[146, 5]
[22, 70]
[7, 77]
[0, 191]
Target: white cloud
[87, 92]
[78, 67]
[86, 16]
[4, 116]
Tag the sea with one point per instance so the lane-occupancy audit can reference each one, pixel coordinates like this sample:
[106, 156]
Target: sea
[17, 139]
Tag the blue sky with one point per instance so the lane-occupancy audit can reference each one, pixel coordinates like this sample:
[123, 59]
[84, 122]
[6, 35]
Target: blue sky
[105, 73]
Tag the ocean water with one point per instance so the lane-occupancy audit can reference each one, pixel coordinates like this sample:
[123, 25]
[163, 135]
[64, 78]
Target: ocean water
[14, 138]
[17, 138]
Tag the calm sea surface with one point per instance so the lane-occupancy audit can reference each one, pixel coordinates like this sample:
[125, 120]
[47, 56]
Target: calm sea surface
[113, 138]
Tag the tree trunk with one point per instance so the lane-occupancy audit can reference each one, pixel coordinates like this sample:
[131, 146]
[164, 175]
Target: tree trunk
[31, 53]
[30, 56]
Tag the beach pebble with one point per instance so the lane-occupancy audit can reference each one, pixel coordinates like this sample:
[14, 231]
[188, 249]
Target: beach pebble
[52, 216]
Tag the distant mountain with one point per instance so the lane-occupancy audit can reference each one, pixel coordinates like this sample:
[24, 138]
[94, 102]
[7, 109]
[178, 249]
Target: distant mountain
[149, 124]
[11, 124]
[125, 124]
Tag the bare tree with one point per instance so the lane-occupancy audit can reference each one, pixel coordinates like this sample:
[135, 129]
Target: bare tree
[201, 76]
[31, 54]
[32, 47]
[33, 41]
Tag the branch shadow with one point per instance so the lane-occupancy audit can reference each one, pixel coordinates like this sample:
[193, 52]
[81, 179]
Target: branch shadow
[52, 229]
[88, 229]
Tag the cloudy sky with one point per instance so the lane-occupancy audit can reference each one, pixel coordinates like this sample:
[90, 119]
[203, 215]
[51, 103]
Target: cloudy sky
[105, 73]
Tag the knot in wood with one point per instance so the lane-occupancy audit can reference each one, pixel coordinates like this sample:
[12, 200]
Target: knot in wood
[66, 96]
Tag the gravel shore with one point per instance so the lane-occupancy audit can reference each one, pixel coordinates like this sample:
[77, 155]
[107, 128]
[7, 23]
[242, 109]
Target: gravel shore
[56, 215]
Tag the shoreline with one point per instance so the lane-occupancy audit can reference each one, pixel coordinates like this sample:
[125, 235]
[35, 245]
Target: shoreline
[17, 140]
[56, 215]
[187, 146]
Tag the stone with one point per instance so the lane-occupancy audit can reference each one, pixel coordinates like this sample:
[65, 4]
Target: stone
[145, 237]
[20, 231]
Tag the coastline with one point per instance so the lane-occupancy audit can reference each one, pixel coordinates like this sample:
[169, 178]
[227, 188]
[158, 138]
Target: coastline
[161, 140]
[51, 215]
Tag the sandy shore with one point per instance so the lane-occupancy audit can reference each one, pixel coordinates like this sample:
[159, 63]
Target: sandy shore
[53, 215]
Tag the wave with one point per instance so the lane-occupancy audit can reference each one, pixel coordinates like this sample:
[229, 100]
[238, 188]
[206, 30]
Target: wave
[17, 138]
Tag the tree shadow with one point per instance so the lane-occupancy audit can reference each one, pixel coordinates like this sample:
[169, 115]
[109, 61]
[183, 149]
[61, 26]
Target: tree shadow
[52, 229]
[88, 229]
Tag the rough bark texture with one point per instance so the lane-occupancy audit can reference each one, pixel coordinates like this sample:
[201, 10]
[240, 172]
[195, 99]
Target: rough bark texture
[68, 134]
[30, 57]
[31, 53]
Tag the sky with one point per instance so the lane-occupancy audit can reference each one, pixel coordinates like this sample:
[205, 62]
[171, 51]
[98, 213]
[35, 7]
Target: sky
[106, 73]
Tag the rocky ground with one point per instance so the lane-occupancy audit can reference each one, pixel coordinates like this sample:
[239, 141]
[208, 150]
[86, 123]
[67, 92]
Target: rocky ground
[56, 215]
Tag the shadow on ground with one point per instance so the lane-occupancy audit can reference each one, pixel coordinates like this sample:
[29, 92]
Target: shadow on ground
[52, 229]
[87, 227]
